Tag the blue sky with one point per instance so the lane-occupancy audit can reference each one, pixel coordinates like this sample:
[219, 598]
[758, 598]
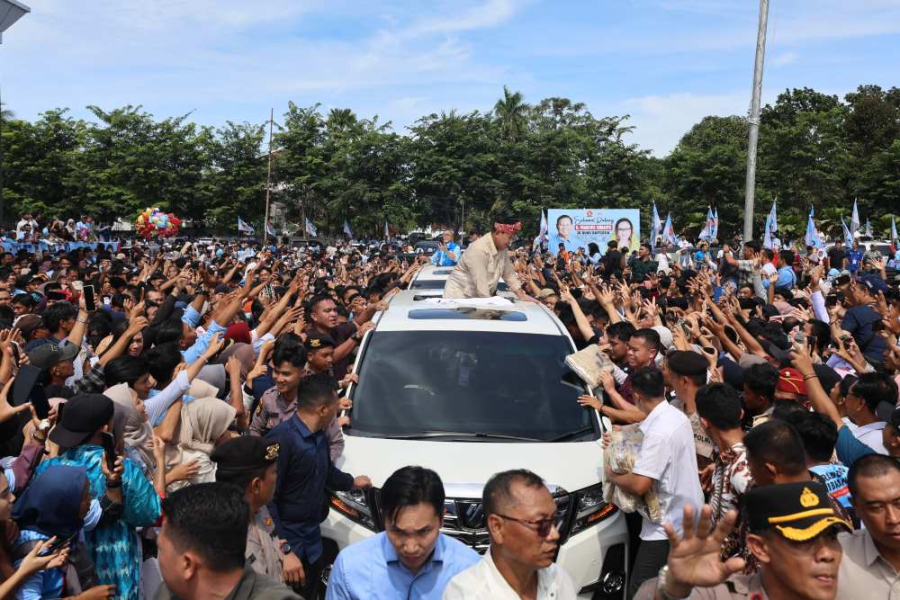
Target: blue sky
[667, 63]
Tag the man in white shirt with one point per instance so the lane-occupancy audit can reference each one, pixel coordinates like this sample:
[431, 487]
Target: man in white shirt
[667, 464]
[521, 518]
[869, 402]
[26, 220]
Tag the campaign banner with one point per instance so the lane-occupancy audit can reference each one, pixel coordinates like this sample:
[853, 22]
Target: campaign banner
[577, 227]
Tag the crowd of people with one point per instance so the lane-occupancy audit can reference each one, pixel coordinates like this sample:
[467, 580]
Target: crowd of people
[171, 420]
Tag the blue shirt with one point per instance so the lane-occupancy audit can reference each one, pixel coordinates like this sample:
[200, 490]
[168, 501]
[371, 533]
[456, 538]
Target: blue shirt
[304, 470]
[442, 259]
[848, 448]
[786, 278]
[572, 244]
[113, 546]
[860, 321]
[372, 569]
[854, 259]
[192, 318]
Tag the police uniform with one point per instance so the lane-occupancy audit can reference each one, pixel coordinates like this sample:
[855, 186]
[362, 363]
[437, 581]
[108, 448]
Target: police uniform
[238, 456]
[797, 511]
[252, 586]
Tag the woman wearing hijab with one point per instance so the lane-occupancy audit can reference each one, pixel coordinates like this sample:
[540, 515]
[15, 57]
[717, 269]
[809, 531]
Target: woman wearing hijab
[131, 427]
[134, 436]
[57, 504]
[204, 425]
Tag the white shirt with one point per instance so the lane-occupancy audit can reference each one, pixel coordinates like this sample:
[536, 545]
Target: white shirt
[663, 259]
[483, 581]
[21, 225]
[669, 458]
[871, 436]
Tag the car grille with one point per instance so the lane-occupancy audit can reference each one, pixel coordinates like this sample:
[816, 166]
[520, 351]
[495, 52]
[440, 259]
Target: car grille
[464, 520]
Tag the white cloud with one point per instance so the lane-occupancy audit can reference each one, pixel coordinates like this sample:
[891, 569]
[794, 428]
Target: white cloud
[785, 59]
[661, 121]
[490, 13]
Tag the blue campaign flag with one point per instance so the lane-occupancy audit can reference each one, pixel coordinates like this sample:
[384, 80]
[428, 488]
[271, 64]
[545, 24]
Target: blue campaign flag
[244, 226]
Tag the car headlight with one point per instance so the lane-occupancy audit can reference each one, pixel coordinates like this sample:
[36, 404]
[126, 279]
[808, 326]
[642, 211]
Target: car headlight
[355, 506]
[591, 508]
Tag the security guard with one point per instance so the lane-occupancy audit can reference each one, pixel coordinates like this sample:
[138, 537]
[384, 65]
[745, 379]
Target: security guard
[793, 535]
[249, 463]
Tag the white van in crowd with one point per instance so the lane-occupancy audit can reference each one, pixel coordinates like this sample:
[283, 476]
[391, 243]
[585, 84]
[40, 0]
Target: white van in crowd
[469, 392]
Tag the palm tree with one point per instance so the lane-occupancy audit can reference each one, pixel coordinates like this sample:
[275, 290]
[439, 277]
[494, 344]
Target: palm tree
[511, 113]
[6, 114]
[341, 119]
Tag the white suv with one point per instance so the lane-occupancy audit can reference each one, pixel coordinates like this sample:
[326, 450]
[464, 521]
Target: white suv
[469, 393]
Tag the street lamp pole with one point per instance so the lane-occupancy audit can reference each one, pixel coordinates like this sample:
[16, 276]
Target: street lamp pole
[750, 193]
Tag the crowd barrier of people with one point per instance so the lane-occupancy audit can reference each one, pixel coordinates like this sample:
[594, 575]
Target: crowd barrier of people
[170, 421]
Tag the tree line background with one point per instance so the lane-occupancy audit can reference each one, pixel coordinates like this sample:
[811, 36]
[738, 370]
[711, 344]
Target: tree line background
[814, 150]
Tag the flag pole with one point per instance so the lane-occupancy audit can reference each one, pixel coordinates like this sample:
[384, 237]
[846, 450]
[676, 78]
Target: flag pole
[750, 194]
[268, 177]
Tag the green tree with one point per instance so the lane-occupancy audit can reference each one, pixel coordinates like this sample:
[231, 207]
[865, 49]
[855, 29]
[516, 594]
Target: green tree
[707, 169]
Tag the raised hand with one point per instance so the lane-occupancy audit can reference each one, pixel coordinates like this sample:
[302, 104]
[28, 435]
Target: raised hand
[694, 558]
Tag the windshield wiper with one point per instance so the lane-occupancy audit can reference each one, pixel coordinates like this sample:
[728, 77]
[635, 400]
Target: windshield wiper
[424, 435]
[571, 434]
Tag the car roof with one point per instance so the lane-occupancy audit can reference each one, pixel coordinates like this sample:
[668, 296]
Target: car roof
[433, 273]
[537, 318]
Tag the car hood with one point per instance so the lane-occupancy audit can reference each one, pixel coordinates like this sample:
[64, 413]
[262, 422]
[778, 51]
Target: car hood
[571, 465]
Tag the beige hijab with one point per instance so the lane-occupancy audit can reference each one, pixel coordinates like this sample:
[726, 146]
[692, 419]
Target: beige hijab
[136, 431]
[203, 421]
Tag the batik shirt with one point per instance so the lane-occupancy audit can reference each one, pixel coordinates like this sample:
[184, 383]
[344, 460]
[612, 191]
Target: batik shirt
[114, 547]
[730, 481]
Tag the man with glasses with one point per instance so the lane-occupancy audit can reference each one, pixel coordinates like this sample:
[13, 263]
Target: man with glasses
[521, 518]
[448, 253]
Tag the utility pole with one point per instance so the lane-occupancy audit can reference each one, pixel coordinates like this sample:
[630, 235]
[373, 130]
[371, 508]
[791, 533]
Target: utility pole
[268, 179]
[750, 192]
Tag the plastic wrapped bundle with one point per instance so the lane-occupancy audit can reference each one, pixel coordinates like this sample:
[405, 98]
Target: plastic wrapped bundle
[589, 364]
[620, 456]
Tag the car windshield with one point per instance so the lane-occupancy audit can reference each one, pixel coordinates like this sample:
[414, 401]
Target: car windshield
[474, 384]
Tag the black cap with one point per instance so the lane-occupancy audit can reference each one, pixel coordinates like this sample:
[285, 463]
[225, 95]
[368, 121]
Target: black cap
[687, 362]
[316, 340]
[85, 415]
[46, 355]
[798, 511]
[245, 453]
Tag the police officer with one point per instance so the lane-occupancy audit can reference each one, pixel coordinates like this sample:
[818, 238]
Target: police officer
[250, 463]
[793, 535]
[202, 546]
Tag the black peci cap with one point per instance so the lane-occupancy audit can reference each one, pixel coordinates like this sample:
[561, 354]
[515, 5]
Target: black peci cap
[245, 453]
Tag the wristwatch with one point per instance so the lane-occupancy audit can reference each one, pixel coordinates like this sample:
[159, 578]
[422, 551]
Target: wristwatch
[285, 548]
[661, 586]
